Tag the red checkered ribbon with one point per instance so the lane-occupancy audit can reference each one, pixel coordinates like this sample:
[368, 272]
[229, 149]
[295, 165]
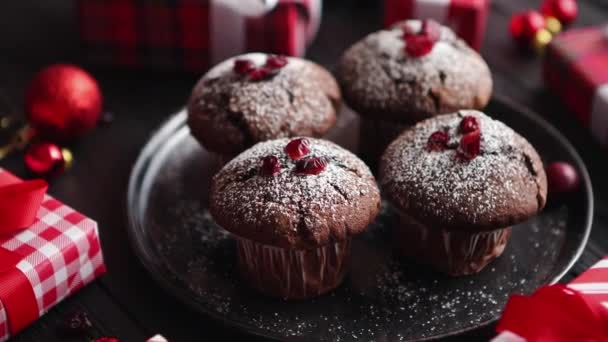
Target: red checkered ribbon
[575, 67]
[41, 265]
[194, 34]
[466, 17]
[558, 313]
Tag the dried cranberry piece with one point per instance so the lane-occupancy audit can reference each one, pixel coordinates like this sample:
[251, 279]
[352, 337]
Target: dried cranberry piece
[298, 148]
[431, 29]
[106, 339]
[243, 66]
[311, 166]
[469, 124]
[271, 166]
[438, 141]
[76, 323]
[470, 145]
[276, 61]
[418, 45]
[261, 74]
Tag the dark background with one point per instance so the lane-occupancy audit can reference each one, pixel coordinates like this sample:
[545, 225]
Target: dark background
[126, 303]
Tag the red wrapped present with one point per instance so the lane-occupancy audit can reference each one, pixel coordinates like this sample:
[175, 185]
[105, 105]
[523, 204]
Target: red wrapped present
[560, 313]
[576, 69]
[194, 34]
[47, 252]
[466, 17]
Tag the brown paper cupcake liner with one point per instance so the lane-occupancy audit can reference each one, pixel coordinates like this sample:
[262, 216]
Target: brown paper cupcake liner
[293, 274]
[453, 252]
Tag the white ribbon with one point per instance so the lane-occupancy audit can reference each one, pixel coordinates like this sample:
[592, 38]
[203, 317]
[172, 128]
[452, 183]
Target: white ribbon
[599, 114]
[228, 19]
[431, 9]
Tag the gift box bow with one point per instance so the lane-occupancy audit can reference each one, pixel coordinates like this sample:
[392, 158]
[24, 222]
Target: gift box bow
[560, 313]
[47, 252]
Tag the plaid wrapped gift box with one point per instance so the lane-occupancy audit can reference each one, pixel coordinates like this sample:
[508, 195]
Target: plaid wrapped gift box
[43, 264]
[466, 17]
[193, 34]
[576, 69]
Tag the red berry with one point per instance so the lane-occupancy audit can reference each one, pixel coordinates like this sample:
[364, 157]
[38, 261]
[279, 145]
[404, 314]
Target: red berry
[562, 177]
[438, 141]
[311, 166]
[432, 29]
[532, 22]
[243, 66]
[563, 10]
[470, 145]
[469, 124]
[276, 61]
[271, 166]
[298, 148]
[106, 339]
[260, 74]
[418, 45]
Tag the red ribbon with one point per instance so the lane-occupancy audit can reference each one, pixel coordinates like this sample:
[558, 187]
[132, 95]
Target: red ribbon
[19, 203]
[555, 313]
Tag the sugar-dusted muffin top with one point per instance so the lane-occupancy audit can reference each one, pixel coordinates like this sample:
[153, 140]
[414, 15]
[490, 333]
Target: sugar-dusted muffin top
[268, 196]
[464, 171]
[381, 80]
[264, 97]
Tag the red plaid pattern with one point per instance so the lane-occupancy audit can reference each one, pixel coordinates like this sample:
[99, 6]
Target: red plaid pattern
[61, 253]
[466, 17]
[177, 33]
[593, 283]
[574, 68]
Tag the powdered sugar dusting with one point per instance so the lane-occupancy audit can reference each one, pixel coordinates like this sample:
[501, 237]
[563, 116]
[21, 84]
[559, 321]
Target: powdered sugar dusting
[453, 189]
[292, 209]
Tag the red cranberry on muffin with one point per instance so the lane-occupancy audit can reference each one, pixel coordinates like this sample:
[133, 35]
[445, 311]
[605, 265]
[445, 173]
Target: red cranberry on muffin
[460, 182]
[413, 71]
[293, 206]
[256, 97]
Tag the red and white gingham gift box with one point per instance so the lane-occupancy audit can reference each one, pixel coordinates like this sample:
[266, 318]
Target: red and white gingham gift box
[466, 17]
[194, 34]
[46, 262]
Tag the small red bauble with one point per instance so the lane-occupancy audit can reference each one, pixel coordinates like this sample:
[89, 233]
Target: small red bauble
[562, 178]
[297, 148]
[45, 159]
[311, 166]
[63, 102]
[438, 141]
[523, 26]
[470, 144]
[563, 10]
[271, 166]
[469, 124]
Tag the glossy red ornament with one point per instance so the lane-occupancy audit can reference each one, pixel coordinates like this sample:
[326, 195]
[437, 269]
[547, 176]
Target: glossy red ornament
[524, 25]
[63, 102]
[563, 10]
[45, 159]
[562, 178]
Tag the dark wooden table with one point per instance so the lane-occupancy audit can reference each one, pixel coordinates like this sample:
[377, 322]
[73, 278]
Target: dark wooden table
[126, 303]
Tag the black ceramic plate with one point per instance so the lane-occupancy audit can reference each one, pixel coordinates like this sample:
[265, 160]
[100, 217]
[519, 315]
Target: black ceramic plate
[383, 298]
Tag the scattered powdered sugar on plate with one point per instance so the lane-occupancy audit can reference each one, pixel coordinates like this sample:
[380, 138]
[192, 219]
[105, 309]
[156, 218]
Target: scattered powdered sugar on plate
[384, 298]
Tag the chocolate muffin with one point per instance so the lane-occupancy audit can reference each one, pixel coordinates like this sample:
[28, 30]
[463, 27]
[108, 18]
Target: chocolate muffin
[256, 97]
[413, 71]
[460, 181]
[293, 206]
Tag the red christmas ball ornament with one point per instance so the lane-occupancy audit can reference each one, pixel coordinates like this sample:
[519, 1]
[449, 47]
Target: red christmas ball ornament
[47, 159]
[564, 10]
[63, 102]
[562, 178]
[524, 26]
